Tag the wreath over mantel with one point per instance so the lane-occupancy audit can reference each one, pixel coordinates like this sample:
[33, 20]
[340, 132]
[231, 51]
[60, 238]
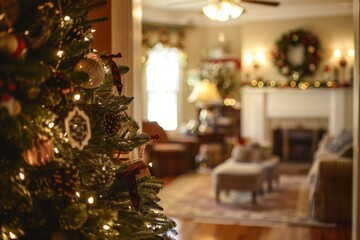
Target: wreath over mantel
[311, 54]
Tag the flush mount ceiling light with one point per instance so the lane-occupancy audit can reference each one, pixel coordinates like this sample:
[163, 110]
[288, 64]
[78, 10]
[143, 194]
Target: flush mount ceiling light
[219, 10]
[223, 10]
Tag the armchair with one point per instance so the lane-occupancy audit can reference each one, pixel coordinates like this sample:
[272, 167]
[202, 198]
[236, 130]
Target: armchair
[169, 156]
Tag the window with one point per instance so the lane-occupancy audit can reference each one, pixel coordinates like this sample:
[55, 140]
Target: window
[162, 86]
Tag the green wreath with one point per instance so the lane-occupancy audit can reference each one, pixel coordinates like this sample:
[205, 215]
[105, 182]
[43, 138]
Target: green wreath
[311, 57]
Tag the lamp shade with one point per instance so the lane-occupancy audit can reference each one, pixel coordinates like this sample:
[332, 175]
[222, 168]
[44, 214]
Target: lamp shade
[205, 92]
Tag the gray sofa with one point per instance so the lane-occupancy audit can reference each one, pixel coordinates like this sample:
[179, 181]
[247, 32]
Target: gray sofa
[330, 179]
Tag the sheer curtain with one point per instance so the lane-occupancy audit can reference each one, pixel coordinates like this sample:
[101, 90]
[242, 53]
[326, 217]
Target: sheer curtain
[163, 70]
[162, 86]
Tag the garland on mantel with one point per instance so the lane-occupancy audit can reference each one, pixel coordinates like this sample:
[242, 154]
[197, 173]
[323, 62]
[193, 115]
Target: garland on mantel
[295, 84]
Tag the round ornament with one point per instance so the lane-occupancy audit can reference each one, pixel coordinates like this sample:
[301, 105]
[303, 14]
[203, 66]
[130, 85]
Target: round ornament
[94, 69]
[12, 105]
[94, 56]
[13, 45]
[297, 54]
[41, 154]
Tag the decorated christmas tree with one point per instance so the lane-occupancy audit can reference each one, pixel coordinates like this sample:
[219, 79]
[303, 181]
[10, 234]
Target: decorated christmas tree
[70, 156]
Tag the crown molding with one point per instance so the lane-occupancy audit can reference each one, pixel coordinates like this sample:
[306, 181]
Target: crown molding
[181, 17]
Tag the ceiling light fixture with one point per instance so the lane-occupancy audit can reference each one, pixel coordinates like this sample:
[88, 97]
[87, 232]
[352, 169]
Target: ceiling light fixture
[222, 10]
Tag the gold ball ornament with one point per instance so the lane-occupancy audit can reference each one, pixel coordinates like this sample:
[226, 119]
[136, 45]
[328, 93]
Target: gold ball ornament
[94, 69]
[13, 45]
[94, 56]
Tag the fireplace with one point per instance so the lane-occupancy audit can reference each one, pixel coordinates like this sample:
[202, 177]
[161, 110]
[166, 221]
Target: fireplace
[296, 145]
[288, 111]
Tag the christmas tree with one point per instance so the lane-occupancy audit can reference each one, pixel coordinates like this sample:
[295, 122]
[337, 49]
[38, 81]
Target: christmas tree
[70, 156]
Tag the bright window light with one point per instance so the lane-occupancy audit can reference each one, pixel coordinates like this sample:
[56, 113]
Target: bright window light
[162, 86]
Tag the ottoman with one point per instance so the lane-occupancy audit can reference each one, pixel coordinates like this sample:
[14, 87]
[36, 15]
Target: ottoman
[271, 171]
[232, 175]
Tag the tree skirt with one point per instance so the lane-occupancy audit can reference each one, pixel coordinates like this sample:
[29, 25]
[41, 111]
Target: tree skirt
[192, 196]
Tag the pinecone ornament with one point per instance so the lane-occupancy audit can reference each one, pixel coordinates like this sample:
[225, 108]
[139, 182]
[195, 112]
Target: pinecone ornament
[112, 124]
[66, 180]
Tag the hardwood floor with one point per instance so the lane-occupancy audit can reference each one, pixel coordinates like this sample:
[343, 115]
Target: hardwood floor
[192, 230]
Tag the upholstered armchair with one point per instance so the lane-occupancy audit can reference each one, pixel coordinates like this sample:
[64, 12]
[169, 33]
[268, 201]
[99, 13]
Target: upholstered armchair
[166, 155]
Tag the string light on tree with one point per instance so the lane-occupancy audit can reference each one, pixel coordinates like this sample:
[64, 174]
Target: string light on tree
[55, 158]
[91, 200]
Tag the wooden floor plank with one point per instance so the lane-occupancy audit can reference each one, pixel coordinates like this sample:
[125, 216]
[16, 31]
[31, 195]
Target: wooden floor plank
[191, 230]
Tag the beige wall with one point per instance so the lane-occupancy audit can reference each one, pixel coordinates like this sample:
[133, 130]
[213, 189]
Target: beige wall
[199, 40]
[333, 32]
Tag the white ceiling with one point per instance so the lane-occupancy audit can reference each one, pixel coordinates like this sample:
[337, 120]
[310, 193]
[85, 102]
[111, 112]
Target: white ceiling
[189, 12]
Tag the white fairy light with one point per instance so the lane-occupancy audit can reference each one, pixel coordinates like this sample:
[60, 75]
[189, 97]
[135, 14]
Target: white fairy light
[91, 200]
[56, 150]
[51, 125]
[60, 53]
[77, 96]
[77, 194]
[93, 30]
[22, 176]
[67, 18]
[12, 236]
[106, 227]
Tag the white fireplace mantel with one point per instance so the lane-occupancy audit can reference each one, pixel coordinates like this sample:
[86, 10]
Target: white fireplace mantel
[260, 105]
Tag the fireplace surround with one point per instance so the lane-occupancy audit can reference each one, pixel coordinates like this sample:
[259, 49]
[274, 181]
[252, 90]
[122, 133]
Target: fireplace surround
[264, 110]
[296, 145]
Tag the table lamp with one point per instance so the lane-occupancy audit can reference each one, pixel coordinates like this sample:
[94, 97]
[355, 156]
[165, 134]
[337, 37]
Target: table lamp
[205, 94]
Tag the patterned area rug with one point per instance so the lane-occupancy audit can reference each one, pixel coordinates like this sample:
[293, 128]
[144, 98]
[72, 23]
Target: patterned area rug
[191, 196]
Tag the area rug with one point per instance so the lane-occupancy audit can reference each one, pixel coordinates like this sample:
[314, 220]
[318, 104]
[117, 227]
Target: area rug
[191, 196]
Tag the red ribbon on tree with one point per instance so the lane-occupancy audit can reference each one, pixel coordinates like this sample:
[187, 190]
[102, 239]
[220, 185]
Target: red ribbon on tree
[136, 171]
[114, 70]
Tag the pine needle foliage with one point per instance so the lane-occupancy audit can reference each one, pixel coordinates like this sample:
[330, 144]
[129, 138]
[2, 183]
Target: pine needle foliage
[50, 187]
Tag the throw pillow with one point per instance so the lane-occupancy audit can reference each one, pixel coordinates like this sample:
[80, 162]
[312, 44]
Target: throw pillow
[246, 154]
[340, 141]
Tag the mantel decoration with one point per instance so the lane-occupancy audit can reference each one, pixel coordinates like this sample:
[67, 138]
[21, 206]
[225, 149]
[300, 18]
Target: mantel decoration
[303, 85]
[297, 54]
